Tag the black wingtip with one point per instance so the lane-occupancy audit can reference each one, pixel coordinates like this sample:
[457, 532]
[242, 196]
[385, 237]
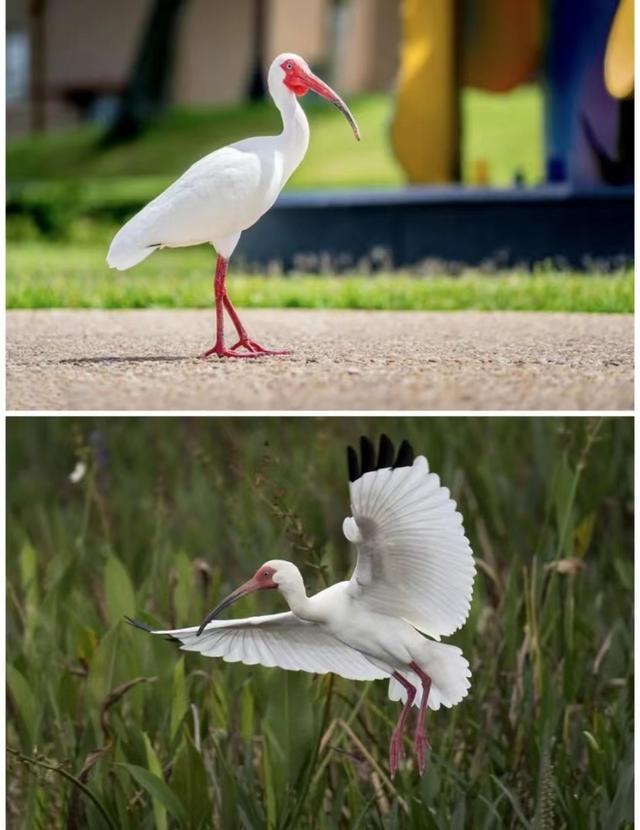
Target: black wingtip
[385, 452]
[137, 624]
[144, 627]
[367, 454]
[385, 460]
[405, 455]
[352, 464]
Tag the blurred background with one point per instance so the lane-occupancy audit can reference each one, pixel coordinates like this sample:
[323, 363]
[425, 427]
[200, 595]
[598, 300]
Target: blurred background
[528, 105]
[158, 518]
[120, 64]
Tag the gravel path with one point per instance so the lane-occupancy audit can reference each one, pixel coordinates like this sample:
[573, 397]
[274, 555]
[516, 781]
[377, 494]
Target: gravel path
[134, 360]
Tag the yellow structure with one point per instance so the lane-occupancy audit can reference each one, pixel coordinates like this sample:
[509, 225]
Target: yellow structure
[424, 130]
[618, 60]
[490, 44]
[494, 45]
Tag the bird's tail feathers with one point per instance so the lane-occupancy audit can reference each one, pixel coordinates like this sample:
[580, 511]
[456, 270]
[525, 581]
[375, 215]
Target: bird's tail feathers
[449, 672]
[126, 251]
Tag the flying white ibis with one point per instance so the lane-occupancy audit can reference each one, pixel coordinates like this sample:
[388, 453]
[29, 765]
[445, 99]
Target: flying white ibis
[412, 584]
[226, 192]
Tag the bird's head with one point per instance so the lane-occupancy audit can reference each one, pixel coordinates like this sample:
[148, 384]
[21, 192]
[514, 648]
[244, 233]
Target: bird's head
[276, 573]
[293, 71]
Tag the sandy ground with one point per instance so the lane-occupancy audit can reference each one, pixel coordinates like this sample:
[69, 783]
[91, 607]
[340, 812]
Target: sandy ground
[134, 360]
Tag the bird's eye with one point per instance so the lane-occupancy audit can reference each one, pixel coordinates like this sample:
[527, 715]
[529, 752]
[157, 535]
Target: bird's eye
[289, 65]
[266, 573]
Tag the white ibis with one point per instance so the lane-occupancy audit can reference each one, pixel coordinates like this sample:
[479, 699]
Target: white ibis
[412, 585]
[226, 192]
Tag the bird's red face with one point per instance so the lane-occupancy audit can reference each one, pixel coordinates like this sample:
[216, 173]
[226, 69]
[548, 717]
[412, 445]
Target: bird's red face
[263, 578]
[295, 77]
[260, 581]
[300, 80]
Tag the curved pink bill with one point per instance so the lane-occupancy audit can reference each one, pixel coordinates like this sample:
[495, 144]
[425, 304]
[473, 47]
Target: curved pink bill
[249, 586]
[314, 83]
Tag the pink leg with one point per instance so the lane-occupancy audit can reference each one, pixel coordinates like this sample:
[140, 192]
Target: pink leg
[219, 292]
[221, 300]
[395, 747]
[244, 340]
[421, 742]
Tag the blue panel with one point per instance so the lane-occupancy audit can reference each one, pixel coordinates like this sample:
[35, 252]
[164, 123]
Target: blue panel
[453, 225]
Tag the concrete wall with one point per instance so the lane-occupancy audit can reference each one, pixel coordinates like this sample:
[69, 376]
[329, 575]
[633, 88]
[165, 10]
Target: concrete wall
[214, 67]
[302, 27]
[91, 44]
[211, 64]
[368, 54]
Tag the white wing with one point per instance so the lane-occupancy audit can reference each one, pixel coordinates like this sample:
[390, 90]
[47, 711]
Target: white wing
[414, 560]
[282, 640]
[217, 197]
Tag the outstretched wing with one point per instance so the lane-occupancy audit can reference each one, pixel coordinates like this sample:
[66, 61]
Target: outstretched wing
[282, 640]
[414, 560]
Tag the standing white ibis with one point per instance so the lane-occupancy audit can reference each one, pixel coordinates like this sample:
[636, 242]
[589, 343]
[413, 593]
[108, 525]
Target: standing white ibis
[226, 192]
[412, 584]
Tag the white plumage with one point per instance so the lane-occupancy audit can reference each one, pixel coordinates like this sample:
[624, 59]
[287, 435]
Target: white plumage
[281, 640]
[414, 560]
[413, 577]
[216, 199]
[447, 668]
[226, 192]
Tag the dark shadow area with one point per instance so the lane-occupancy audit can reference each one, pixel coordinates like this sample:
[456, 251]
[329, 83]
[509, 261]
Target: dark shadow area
[132, 359]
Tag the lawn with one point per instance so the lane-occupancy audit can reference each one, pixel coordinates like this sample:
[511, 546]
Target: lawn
[45, 275]
[504, 130]
[68, 188]
[168, 147]
[56, 179]
[110, 728]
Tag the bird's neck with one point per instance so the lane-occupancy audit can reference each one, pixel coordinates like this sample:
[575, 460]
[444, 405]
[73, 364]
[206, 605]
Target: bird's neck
[295, 131]
[299, 603]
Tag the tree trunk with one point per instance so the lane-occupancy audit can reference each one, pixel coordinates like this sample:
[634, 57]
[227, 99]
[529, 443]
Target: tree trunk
[256, 89]
[146, 92]
[37, 91]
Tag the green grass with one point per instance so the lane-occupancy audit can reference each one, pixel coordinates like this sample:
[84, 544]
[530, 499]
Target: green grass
[44, 275]
[56, 180]
[114, 728]
[168, 147]
[505, 130]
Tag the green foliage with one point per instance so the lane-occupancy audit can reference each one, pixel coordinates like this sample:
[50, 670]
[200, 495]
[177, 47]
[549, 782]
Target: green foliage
[42, 275]
[120, 599]
[56, 179]
[504, 129]
[179, 511]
